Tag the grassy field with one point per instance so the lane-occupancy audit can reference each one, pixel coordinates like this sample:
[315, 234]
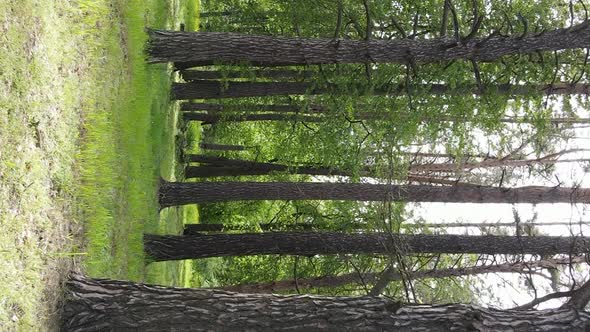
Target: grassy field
[86, 131]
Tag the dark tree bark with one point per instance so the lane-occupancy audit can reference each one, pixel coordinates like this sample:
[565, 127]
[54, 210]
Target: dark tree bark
[111, 305]
[190, 75]
[177, 193]
[206, 89]
[174, 247]
[390, 275]
[208, 48]
[221, 147]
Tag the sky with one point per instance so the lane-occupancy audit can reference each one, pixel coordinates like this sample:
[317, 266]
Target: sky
[508, 290]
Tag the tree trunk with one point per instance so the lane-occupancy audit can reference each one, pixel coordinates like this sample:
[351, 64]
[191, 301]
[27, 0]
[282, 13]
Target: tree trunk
[190, 75]
[111, 305]
[252, 108]
[204, 89]
[393, 275]
[318, 109]
[503, 162]
[255, 168]
[174, 247]
[221, 147]
[198, 229]
[215, 118]
[178, 193]
[209, 48]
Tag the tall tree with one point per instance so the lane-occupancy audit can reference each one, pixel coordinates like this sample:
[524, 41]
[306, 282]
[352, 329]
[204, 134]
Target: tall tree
[174, 247]
[220, 166]
[221, 147]
[208, 48]
[290, 74]
[208, 89]
[178, 193]
[382, 279]
[111, 305]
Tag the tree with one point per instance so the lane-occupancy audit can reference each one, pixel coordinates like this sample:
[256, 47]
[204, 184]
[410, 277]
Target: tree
[174, 247]
[178, 193]
[112, 305]
[221, 147]
[214, 113]
[197, 229]
[208, 89]
[382, 279]
[502, 162]
[220, 166]
[208, 48]
[190, 75]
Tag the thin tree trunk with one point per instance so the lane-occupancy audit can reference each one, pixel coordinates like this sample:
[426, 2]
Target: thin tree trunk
[221, 147]
[217, 14]
[256, 168]
[252, 108]
[391, 275]
[319, 109]
[490, 163]
[194, 229]
[215, 118]
[111, 305]
[190, 75]
[197, 229]
[207, 89]
[435, 180]
[209, 48]
[178, 193]
[175, 247]
[222, 166]
[496, 224]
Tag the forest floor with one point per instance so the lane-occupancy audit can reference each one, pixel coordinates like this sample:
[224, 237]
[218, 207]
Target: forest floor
[87, 130]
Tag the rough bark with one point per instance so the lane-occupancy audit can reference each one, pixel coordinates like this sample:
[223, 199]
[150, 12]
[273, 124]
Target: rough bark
[174, 247]
[190, 75]
[177, 193]
[221, 147]
[206, 89]
[208, 48]
[110, 305]
[391, 275]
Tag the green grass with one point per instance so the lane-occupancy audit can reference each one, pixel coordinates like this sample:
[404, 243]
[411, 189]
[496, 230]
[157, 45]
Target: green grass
[47, 54]
[121, 177]
[86, 130]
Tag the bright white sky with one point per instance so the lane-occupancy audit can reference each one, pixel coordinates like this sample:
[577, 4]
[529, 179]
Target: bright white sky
[514, 292]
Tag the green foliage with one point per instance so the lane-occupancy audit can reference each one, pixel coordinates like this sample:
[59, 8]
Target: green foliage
[375, 112]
